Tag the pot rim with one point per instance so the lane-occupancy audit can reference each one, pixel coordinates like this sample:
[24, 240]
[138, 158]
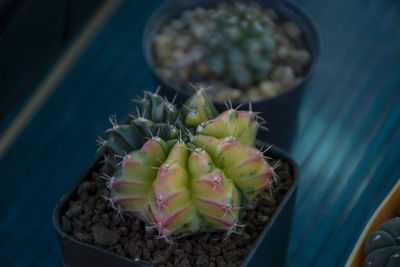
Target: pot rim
[314, 40]
[274, 151]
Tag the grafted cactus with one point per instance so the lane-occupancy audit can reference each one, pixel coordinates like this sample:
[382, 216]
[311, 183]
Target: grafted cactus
[195, 174]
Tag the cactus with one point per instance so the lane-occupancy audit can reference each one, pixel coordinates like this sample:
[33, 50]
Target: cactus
[241, 48]
[186, 171]
[245, 51]
[382, 247]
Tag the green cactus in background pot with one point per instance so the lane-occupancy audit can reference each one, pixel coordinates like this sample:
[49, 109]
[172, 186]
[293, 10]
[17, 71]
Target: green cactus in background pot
[244, 51]
[240, 48]
[186, 171]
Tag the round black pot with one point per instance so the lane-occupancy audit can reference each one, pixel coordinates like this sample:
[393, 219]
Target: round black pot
[281, 111]
[270, 247]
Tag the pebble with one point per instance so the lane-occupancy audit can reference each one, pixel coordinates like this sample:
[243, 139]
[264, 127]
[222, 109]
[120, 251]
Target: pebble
[77, 224]
[134, 251]
[184, 72]
[183, 42]
[167, 74]
[75, 210]
[162, 46]
[84, 217]
[178, 55]
[202, 260]
[200, 12]
[262, 218]
[184, 262]
[146, 254]
[285, 76]
[178, 252]
[116, 218]
[214, 251]
[100, 206]
[202, 68]
[269, 88]
[187, 247]
[150, 245]
[301, 56]
[187, 16]
[198, 30]
[103, 236]
[140, 244]
[88, 207]
[177, 24]
[291, 30]
[233, 256]
[283, 51]
[221, 262]
[129, 238]
[160, 244]
[85, 187]
[226, 94]
[123, 231]
[254, 94]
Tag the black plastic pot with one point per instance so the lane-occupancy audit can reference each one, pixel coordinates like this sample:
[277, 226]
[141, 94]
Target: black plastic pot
[281, 111]
[270, 248]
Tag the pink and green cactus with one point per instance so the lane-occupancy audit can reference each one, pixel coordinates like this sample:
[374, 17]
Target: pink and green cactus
[195, 172]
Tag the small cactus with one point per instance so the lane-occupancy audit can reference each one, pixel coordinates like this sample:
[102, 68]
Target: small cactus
[186, 171]
[241, 47]
[246, 52]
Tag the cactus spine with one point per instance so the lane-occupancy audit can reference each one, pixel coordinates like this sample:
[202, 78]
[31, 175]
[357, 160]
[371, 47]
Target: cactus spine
[186, 171]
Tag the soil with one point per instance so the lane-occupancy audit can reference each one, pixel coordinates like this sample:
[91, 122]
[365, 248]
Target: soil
[90, 219]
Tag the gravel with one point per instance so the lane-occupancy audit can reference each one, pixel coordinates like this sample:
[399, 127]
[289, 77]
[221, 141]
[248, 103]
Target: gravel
[90, 219]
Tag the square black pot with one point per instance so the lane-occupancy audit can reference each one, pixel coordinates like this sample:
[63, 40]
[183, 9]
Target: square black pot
[270, 247]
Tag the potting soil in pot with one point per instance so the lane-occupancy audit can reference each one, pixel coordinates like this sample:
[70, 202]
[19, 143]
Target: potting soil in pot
[92, 220]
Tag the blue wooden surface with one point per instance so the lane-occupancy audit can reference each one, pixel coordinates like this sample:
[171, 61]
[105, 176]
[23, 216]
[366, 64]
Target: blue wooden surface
[348, 143]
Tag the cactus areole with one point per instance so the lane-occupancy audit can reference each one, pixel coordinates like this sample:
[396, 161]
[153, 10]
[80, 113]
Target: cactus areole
[186, 171]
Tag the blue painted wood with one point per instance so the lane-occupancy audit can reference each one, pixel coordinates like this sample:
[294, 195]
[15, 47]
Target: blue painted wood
[348, 143]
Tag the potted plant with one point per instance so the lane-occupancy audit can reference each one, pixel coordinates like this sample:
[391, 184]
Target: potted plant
[179, 188]
[379, 242]
[258, 51]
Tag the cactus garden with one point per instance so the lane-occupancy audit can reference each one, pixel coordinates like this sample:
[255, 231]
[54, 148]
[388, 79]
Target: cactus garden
[246, 52]
[180, 185]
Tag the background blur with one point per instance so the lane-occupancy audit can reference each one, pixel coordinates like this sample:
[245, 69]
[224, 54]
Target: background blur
[66, 65]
